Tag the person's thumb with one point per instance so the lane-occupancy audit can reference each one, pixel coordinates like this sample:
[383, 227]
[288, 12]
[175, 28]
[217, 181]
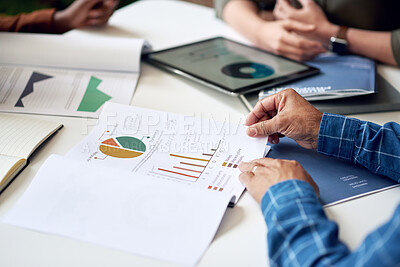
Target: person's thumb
[305, 3]
[292, 25]
[85, 4]
[263, 128]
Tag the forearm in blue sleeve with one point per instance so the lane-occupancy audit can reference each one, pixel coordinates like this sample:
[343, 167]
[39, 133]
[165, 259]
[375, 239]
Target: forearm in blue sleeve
[373, 146]
[300, 234]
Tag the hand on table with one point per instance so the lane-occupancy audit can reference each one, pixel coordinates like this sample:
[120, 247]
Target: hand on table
[84, 13]
[280, 37]
[310, 13]
[259, 175]
[285, 113]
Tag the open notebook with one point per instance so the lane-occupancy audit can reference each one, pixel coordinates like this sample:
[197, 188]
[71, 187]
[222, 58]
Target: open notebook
[19, 137]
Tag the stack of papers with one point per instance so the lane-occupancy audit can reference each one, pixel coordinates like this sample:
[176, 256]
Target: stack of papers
[147, 182]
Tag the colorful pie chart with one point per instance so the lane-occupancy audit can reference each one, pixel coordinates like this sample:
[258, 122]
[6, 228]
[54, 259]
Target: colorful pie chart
[123, 147]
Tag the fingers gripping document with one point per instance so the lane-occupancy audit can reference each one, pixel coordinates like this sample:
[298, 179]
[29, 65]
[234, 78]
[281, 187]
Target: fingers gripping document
[147, 182]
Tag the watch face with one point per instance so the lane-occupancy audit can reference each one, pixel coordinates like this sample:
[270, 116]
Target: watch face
[338, 45]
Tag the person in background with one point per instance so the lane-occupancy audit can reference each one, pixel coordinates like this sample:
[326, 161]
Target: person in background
[302, 29]
[299, 232]
[79, 14]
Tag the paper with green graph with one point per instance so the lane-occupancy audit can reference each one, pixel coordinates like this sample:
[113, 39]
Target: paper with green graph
[63, 75]
[93, 98]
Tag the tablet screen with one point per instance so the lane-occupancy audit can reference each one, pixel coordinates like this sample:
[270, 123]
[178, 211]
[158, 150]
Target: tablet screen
[232, 66]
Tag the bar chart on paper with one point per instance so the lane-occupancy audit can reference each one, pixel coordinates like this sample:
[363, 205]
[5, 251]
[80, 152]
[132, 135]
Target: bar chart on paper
[203, 169]
[212, 166]
[187, 167]
[163, 146]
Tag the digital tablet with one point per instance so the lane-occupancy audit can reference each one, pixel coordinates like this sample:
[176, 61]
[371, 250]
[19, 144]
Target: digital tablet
[228, 66]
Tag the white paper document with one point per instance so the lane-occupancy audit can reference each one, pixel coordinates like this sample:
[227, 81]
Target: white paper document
[147, 182]
[132, 213]
[182, 149]
[65, 75]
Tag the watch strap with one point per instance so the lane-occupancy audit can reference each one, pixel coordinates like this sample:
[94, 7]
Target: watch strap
[342, 32]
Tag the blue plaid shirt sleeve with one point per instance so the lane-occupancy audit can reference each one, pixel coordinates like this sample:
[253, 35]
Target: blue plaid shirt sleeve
[373, 146]
[300, 234]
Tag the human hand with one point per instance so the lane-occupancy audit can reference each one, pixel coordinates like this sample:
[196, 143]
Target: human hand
[279, 37]
[259, 175]
[309, 13]
[84, 13]
[285, 113]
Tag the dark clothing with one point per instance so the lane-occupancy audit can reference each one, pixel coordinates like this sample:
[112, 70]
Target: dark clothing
[37, 21]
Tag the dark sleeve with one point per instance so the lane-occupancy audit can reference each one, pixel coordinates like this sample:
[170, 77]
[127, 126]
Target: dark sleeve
[261, 4]
[395, 42]
[40, 21]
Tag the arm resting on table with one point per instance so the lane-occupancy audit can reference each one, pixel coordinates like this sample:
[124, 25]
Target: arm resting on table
[373, 146]
[300, 234]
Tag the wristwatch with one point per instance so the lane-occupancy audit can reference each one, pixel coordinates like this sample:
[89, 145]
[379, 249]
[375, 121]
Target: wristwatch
[338, 43]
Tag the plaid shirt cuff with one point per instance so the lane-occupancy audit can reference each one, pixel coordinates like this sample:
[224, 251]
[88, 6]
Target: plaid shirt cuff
[285, 196]
[337, 136]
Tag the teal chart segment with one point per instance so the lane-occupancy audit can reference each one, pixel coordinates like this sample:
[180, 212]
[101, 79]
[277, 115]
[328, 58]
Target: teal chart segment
[93, 98]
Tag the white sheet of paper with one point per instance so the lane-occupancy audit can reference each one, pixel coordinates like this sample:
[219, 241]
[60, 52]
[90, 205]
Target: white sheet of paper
[181, 149]
[64, 51]
[120, 210]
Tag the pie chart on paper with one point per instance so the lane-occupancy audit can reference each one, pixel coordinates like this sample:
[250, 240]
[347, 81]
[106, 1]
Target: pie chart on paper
[123, 147]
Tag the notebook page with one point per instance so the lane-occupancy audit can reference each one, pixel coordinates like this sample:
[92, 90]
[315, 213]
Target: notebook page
[8, 165]
[19, 136]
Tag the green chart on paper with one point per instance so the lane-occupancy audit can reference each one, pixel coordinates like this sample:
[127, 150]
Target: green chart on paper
[93, 98]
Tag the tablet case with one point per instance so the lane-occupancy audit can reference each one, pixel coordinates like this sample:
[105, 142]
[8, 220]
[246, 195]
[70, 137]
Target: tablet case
[386, 99]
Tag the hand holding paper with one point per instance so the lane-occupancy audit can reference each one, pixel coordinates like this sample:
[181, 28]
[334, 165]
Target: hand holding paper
[285, 113]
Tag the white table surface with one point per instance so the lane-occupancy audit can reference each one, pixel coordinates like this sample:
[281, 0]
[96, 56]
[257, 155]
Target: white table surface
[240, 240]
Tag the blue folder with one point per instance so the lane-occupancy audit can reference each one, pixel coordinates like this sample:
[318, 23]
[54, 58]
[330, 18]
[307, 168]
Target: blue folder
[340, 76]
[338, 180]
